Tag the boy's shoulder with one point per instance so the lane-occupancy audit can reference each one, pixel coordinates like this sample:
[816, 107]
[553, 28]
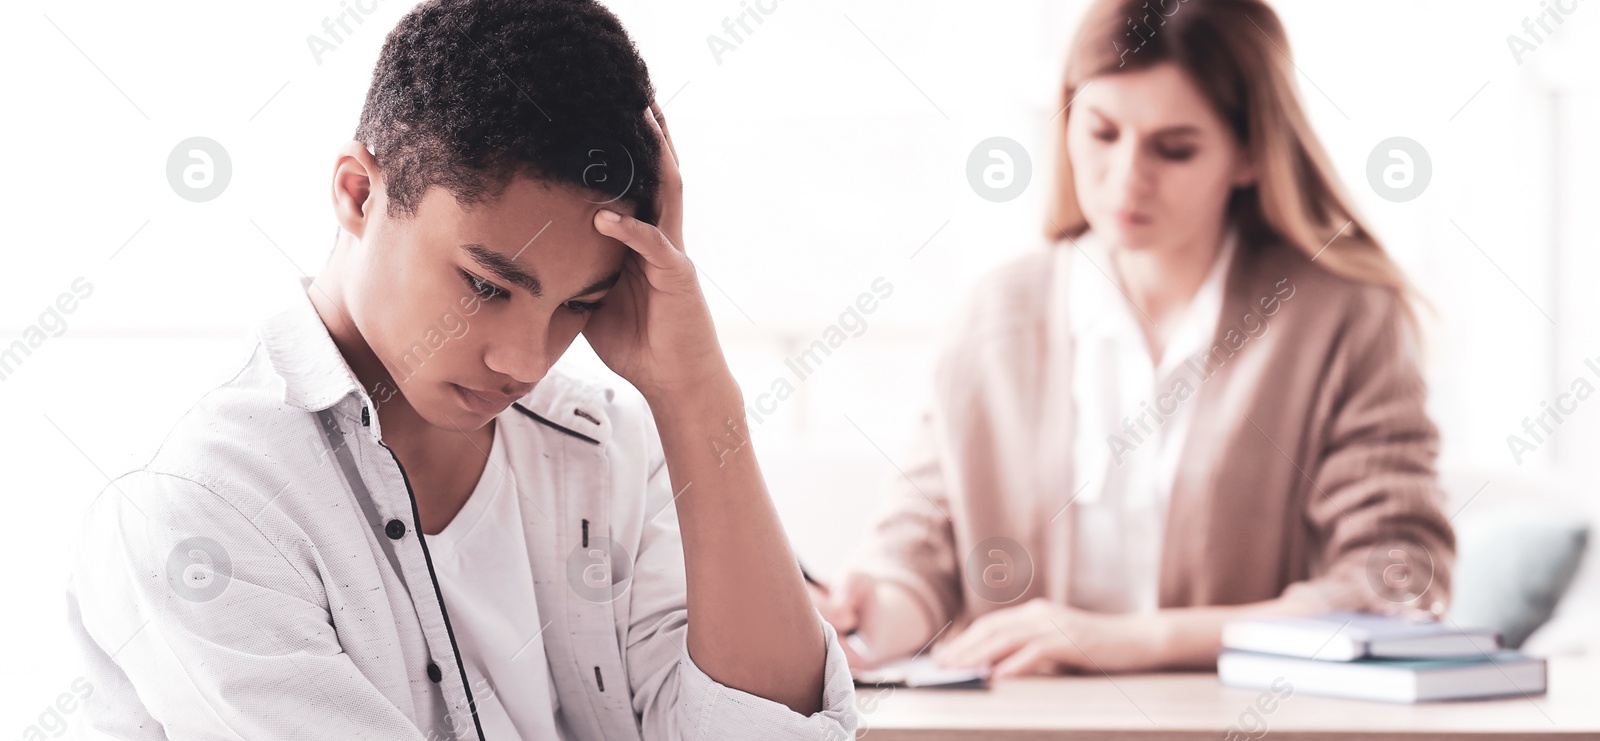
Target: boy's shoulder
[236, 438]
[587, 405]
[244, 440]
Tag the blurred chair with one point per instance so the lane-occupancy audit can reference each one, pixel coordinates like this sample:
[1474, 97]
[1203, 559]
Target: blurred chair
[1521, 547]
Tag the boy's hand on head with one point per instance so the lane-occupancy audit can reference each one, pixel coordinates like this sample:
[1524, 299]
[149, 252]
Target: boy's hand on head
[655, 329]
[752, 627]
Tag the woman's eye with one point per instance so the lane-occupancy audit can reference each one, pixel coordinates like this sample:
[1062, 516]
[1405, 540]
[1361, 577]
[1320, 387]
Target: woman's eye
[484, 290]
[1106, 135]
[1176, 154]
[582, 307]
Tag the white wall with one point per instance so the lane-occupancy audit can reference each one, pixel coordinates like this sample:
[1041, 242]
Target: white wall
[820, 154]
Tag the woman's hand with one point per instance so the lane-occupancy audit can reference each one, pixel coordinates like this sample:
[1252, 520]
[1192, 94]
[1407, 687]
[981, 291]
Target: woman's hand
[655, 328]
[1041, 637]
[843, 604]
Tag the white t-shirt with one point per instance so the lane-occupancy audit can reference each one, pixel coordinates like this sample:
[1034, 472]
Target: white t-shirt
[481, 559]
[1132, 418]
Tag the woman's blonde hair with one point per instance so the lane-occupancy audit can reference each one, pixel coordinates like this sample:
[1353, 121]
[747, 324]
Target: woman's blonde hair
[1236, 54]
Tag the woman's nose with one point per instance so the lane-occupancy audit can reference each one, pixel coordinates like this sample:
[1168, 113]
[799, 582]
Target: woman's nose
[1131, 173]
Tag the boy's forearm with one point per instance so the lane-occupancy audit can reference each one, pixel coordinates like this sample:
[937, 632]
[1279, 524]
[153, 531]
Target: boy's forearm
[751, 625]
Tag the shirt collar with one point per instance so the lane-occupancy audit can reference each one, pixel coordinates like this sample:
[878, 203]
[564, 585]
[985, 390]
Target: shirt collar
[314, 372]
[1094, 301]
[1199, 321]
[316, 377]
[1097, 305]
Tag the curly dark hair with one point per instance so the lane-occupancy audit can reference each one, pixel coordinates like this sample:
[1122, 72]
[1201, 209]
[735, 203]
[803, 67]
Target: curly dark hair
[468, 94]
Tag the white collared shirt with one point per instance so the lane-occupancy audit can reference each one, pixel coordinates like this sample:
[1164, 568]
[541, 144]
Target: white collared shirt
[487, 582]
[263, 577]
[1132, 416]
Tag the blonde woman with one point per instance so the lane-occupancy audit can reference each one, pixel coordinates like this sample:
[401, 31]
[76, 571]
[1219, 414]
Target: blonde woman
[1200, 402]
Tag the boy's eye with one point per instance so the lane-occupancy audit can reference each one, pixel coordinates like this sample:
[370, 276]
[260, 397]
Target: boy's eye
[484, 290]
[582, 307]
[1106, 135]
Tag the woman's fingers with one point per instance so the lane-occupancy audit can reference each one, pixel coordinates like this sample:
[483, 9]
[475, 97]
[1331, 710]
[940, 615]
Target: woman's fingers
[1030, 659]
[841, 607]
[854, 596]
[995, 648]
[966, 640]
[839, 615]
[852, 657]
[989, 639]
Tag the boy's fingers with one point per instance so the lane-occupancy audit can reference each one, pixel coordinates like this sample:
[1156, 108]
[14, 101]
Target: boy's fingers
[661, 123]
[669, 200]
[666, 144]
[648, 241]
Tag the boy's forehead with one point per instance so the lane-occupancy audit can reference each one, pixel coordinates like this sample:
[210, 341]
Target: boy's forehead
[532, 206]
[541, 229]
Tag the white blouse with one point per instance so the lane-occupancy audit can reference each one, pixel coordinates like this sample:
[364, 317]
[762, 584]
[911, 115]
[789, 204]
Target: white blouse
[1132, 417]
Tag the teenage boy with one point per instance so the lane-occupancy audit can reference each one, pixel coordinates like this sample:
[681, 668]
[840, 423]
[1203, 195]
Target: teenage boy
[398, 521]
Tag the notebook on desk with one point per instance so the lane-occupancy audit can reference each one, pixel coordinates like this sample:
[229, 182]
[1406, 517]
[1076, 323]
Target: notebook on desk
[922, 672]
[1343, 636]
[1375, 657]
[1501, 674]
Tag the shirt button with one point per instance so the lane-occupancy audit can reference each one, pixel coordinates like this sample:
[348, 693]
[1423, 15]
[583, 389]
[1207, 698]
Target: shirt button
[395, 529]
[366, 419]
[434, 673]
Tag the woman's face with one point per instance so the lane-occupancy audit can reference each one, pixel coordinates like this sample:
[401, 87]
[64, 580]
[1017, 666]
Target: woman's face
[1152, 162]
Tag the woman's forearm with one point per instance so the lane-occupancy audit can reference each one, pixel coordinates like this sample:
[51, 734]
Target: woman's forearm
[751, 625]
[1189, 637]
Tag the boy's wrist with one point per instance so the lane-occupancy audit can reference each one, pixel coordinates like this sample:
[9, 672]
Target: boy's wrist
[712, 393]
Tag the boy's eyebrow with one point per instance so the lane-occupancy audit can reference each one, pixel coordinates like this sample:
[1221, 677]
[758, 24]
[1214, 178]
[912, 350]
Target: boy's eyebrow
[604, 284]
[504, 269]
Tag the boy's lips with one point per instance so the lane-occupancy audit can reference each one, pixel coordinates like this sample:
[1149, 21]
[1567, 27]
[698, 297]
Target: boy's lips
[483, 402]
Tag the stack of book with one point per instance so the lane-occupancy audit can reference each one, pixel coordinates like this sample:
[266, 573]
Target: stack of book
[1375, 657]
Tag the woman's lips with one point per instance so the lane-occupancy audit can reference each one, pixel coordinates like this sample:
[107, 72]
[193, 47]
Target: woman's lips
[1126, 218]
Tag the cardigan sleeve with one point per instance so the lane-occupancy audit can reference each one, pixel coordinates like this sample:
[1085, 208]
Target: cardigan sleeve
[1376, 507]
[912, 543]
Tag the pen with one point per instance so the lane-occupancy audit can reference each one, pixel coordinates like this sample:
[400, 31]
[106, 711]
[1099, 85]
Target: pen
[851, 638]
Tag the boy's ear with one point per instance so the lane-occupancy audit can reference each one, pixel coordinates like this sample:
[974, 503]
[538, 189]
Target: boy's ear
[356, 185]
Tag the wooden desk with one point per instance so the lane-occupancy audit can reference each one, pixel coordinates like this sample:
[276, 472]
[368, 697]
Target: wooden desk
[1168, 707]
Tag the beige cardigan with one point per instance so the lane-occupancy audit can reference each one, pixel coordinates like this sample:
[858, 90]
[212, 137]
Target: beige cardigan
[1309, 466]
